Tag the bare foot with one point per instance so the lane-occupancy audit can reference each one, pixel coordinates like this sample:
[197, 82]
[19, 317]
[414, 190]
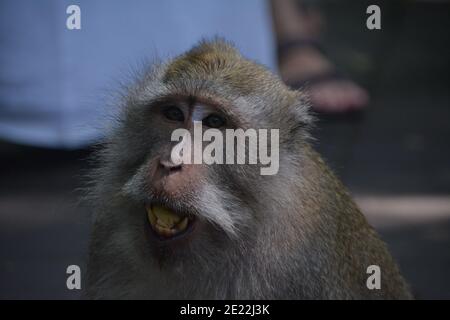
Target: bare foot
[330, 95]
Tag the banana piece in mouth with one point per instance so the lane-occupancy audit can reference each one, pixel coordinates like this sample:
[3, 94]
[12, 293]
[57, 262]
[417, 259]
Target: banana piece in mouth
[165, 222]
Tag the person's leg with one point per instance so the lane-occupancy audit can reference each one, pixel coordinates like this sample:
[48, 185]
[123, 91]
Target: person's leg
[304, 61]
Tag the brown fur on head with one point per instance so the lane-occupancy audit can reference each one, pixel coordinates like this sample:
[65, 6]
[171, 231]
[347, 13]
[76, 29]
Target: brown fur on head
[290, 235]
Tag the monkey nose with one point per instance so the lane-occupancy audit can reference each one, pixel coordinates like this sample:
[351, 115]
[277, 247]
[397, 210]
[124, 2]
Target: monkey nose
[169, 167]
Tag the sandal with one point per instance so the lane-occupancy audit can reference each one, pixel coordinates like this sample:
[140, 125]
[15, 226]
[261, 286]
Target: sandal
[307, 83]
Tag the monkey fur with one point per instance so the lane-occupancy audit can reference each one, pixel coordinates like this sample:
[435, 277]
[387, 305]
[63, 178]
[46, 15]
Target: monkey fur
[293, 235]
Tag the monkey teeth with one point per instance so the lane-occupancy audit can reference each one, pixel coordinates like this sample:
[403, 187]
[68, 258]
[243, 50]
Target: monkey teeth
[165, 222]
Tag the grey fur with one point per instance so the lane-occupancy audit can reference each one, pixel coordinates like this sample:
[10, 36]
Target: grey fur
[294, 235]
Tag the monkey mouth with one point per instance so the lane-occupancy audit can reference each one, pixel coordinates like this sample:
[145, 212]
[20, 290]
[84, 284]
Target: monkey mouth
[168, 224]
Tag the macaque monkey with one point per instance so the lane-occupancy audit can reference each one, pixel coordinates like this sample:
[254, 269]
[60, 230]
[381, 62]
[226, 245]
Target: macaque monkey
[164, 230]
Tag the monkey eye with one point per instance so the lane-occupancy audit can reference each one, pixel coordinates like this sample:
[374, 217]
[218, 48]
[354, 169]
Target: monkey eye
[173, 113]
[214, 121]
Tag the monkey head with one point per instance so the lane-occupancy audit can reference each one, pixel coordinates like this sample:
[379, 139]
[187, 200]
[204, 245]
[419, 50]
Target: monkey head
[192, 215]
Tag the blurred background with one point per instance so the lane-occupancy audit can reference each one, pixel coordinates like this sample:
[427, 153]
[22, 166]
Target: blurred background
[391, 150]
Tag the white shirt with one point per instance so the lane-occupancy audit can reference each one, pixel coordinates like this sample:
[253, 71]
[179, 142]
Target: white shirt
[53, 81]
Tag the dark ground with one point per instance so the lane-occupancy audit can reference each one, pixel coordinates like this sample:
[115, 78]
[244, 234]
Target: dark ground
[397, 149]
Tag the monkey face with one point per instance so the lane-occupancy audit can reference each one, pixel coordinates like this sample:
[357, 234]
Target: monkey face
[187, 205]
[193, 211]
